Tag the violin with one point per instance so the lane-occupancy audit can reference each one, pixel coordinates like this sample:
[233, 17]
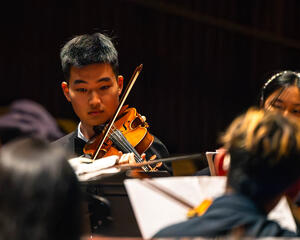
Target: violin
[127, 132]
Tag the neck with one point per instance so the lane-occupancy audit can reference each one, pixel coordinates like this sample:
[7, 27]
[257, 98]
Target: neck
[87, 131]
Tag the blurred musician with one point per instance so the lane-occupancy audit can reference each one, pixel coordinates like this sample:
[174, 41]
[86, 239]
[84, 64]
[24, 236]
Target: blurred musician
[264, 148]
[40, 194]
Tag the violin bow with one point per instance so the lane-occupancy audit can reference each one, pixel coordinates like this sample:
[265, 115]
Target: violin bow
[124, 167]
[122, 101]
[169, 159]
[167, 192]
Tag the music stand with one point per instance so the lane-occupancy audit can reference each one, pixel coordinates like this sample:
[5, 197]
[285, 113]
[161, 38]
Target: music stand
[121, 221]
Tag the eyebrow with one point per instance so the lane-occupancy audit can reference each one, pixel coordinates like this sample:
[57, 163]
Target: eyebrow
[105, 79]
[280, 101]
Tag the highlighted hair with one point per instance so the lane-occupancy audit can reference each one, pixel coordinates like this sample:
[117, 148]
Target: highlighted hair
[265, 153]
[261, 132]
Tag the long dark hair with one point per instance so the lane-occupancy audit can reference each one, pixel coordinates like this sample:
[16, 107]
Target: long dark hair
[40, 195]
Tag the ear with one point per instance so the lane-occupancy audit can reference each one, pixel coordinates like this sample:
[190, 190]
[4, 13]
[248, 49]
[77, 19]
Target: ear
[120, 84]
[65, 88]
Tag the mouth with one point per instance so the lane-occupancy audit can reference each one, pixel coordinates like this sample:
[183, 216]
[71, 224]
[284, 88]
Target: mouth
[95, 113]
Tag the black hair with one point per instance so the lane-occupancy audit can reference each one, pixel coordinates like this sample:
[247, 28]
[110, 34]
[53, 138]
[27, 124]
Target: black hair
[40, 196]
[277, 81]
[88, 49]
[264, 149]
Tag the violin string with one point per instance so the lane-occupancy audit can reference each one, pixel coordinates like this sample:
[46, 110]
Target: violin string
[122, 141]
[118, 138]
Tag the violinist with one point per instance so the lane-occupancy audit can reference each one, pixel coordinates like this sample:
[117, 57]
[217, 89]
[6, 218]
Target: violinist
[93, 86]
[282, 93]
[264, 148]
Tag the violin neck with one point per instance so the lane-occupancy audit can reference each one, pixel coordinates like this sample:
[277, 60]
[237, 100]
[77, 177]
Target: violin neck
[123, 145]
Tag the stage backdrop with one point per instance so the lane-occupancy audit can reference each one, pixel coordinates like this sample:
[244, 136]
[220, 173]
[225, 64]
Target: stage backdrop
[204, 60]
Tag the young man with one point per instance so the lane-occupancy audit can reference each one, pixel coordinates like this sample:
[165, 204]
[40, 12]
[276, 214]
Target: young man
[264, 148]
[93, 87]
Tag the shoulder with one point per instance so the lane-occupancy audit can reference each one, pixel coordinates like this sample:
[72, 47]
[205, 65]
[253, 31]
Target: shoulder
[188, 228]
[222, 217]
[268, 228]
[157, 148]
[160, 150]
[66, 141]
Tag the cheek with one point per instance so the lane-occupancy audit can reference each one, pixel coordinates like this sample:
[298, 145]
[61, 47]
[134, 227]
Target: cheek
[112, 97]
[72, 95]
[110, 101]
[78, 103]
[295, 115]
[76, 106]
[77, 97]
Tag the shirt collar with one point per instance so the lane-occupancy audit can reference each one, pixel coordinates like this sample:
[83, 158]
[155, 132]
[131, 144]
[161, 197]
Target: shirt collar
[79, 133]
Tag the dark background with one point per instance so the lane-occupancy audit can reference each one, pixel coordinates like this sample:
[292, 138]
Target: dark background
[204, 60]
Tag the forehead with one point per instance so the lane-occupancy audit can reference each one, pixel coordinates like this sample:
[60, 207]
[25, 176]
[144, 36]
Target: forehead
[92, 72]
[289, 95]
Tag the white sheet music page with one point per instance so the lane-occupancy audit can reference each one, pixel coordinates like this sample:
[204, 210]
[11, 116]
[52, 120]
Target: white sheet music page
[155, 210]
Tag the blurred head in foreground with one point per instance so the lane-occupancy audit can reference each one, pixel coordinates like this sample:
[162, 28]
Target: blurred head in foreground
[27, 118]
[264, 150]
[40, 195]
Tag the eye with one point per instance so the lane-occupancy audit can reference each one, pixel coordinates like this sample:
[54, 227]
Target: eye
[278, 106]
[296, 111]
[81, 90]
[105, 87]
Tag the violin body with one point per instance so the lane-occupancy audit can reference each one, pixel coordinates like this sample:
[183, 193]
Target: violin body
[132, 127]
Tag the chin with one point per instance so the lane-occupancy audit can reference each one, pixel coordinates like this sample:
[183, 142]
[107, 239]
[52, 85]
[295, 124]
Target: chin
[97, 122]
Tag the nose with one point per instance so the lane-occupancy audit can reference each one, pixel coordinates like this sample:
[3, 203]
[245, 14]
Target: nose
[94, 99]
[286, 112]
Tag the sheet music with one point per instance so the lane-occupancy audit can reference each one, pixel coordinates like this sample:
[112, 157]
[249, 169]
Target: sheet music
[87, 171]
[152, 217]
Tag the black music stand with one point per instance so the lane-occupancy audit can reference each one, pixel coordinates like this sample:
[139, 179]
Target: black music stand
[110, 210]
